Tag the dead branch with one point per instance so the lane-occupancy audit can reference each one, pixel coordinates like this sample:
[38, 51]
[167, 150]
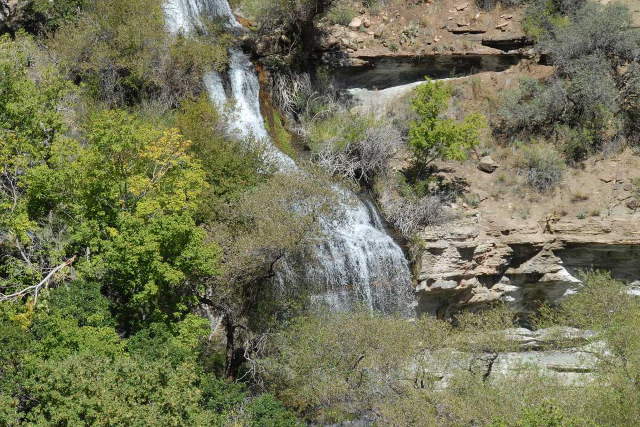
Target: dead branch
[35, 289]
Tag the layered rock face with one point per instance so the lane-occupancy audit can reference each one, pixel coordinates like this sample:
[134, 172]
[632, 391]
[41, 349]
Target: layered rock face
[473, 262]
[566, 355]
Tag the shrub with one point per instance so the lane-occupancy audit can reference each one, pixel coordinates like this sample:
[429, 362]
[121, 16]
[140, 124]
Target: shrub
[265, 410]
[121, 51]
[592, 98]
[232, 167]
[432, 137]
[361, 153]
[408, 214]
[533, 107]
[284, 14]
[576, 144]
[38, 16]
[541, 166]
[490, 4]
[341, 14]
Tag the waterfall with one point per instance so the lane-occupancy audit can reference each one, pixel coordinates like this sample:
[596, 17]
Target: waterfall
[356, 262]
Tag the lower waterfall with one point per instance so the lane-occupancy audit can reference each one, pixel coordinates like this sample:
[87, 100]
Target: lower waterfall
[357, 262]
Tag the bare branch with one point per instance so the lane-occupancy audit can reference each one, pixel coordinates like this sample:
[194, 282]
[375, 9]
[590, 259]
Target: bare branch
[35, 289]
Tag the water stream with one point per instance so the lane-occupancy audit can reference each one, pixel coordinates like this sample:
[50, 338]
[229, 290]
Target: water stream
[356, 262]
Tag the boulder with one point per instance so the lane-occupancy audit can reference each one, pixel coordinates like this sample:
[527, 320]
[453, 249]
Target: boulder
[355, 23]
[487, 164]
[633, 204]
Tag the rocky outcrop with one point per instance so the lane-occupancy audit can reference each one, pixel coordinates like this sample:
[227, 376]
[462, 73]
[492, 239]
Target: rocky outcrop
[473, 262]
[566, 355]
[385, 71]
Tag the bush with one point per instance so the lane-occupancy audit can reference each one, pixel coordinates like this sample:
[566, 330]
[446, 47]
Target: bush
[542, 16]
[266, 411]
[541, 166]
[121, 51]
[432, 137]
[533, 108]
[341, 14]
[38, 16]
[359, 148]
[594, 90]
[232, 167]
[284, 14]
[409, 213]
[576, 144]
[490, 4]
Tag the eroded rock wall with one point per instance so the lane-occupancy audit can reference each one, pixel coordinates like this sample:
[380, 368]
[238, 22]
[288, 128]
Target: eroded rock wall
[472, 262]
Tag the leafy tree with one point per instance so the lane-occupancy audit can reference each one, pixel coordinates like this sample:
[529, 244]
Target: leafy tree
[57, 371]
[232, 167]
[31, 94]
[139, 192]
[29, 123]
[266, 410]
[38, 16]
[432, 137]
[122, 52]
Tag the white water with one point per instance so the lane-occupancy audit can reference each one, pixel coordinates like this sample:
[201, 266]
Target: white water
[357, 262]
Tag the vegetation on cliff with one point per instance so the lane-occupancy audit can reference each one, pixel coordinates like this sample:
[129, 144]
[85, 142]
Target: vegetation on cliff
[139, 235]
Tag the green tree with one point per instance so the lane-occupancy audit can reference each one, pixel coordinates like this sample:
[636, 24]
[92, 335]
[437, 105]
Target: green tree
[232, 167]
[432, 137]
[122, 53]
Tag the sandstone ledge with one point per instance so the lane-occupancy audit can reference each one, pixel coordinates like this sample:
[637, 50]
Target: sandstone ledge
[522, 263]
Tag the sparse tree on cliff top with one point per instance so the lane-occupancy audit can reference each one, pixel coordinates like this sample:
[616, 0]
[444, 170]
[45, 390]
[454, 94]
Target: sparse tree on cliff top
[432, 137]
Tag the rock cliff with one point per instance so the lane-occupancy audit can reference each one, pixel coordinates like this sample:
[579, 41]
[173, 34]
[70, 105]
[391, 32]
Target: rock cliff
[523, 263]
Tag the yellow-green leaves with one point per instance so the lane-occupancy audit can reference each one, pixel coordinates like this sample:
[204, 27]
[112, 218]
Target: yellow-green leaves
[150, 171]
[432, 137]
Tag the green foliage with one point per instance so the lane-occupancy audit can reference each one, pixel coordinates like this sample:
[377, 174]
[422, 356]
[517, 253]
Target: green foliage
[604, 305]
[123, 54]
[335, 367]
[282, 138]
[542, 16]
[231, 167]
[39, 16]
[284, 14]
[309, 373]
[129, 196]
[57, 371]
[548, 416]
[591, 100]
[81, 301]
[268, 226]
[338, 130]
[341, 13]
[541, 165]
[175, 343]
[266, 411]
[133, 192]
[29, 123]
[432, 137]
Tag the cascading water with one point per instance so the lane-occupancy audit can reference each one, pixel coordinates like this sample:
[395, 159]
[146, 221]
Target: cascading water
[357, 262]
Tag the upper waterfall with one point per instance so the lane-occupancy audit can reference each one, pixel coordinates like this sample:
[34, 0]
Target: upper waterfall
[356, 262]
[186, 15]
